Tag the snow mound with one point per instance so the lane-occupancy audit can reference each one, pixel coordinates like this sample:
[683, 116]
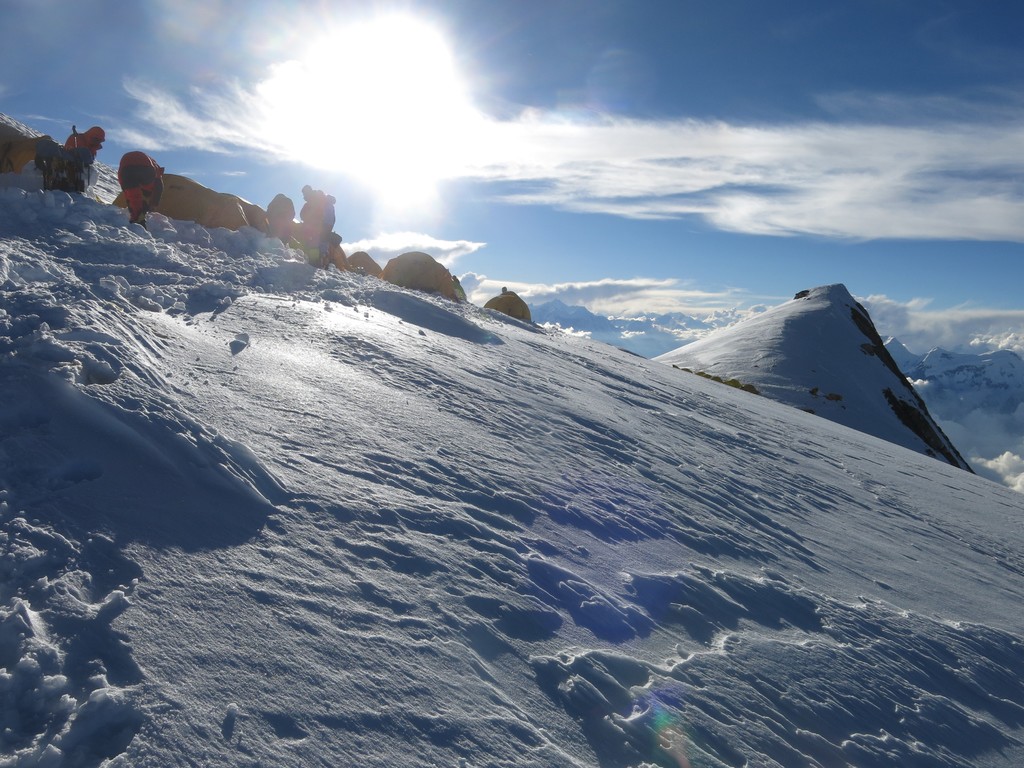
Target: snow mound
[821, 353]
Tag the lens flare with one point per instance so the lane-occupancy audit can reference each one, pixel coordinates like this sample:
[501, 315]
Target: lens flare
[666, 723]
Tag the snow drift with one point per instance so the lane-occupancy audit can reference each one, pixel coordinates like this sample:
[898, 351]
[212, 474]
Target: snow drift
[252, 512]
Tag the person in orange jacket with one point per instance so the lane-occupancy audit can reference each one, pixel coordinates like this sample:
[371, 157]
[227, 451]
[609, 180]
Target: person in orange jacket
[92, 140]
[142, 182]
[317, 216]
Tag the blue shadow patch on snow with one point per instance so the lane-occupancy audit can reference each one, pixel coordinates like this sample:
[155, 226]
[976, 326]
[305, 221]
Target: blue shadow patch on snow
[149, 474]
[425, 314]
[501, 317]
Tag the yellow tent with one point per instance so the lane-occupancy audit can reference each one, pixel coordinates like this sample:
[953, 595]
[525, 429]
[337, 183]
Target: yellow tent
[360, 261]
[17, 151]
[256, 216]
[9, 132]
[187, 200]
[510, 304]
[420, 271]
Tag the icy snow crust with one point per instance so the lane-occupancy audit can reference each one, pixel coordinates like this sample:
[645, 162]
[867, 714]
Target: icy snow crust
[253, 513]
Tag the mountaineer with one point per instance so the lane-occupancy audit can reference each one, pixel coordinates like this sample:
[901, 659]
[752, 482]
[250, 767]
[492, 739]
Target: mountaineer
[141, 181]
[92, 140]
[69, 168]
[317, 216]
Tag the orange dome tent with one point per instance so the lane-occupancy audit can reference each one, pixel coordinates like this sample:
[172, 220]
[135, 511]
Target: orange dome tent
[360, 261]
[509, 303]
[421, 272]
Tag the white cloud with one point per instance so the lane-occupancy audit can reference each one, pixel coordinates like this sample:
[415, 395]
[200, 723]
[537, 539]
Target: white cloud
[850, 181]
[920, 329]
[210, 122]
[934, 174]
[984, 105]
[615, 297]
[385, 246]
[1010, 338]
[992, 443]
[1008, 468]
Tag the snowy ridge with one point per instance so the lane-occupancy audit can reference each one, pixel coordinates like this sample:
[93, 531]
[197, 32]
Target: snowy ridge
[821, 353]
[257, 513]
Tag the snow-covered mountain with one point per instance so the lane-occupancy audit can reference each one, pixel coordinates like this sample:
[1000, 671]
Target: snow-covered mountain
[978, 399]
[820, 352]
[649, 335]
[960, 383]
[255, 513]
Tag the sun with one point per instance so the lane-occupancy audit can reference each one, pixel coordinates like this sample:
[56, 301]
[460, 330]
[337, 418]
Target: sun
[380, 100]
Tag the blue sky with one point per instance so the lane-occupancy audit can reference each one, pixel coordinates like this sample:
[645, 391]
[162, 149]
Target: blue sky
[636, 155]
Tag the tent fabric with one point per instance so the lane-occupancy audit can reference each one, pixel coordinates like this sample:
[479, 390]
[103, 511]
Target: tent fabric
[336, 256]
[254, 215]
[281, 217]
[187, 200]
[17, 151]
[510, 304]
[12, 133]
[421, 272]
[361, 261]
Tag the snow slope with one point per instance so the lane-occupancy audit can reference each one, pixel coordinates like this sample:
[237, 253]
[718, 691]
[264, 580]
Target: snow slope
[253, 513]
[820, 352]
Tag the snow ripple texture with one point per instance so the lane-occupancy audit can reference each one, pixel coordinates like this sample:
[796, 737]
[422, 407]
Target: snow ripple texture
[253, 513]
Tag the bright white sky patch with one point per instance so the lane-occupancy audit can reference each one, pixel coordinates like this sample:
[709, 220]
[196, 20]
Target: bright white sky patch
[381, 101]
[849, 181]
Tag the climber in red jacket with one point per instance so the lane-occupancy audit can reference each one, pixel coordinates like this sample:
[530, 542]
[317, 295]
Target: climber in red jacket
[142, 183]
[92, 140]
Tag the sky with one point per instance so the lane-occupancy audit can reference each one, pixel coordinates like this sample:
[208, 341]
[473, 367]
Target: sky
[652, 156]
[253, 512]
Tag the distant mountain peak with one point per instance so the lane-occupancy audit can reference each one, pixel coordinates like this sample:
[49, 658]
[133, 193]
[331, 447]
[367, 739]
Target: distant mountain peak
[820, 352]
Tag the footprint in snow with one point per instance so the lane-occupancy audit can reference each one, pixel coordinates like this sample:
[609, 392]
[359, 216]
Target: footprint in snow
[240, 342]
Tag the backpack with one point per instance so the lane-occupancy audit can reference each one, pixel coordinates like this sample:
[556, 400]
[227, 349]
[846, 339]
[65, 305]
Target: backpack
[63, 169]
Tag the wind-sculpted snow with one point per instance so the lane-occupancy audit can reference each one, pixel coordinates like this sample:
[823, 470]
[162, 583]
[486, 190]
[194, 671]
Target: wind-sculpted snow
[811, 681]
[257, 513]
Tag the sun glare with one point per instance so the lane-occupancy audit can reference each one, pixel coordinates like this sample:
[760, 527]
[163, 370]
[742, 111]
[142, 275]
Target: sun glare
[380, 100]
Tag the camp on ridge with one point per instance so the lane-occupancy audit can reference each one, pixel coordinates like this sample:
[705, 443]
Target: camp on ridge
[37, 162]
